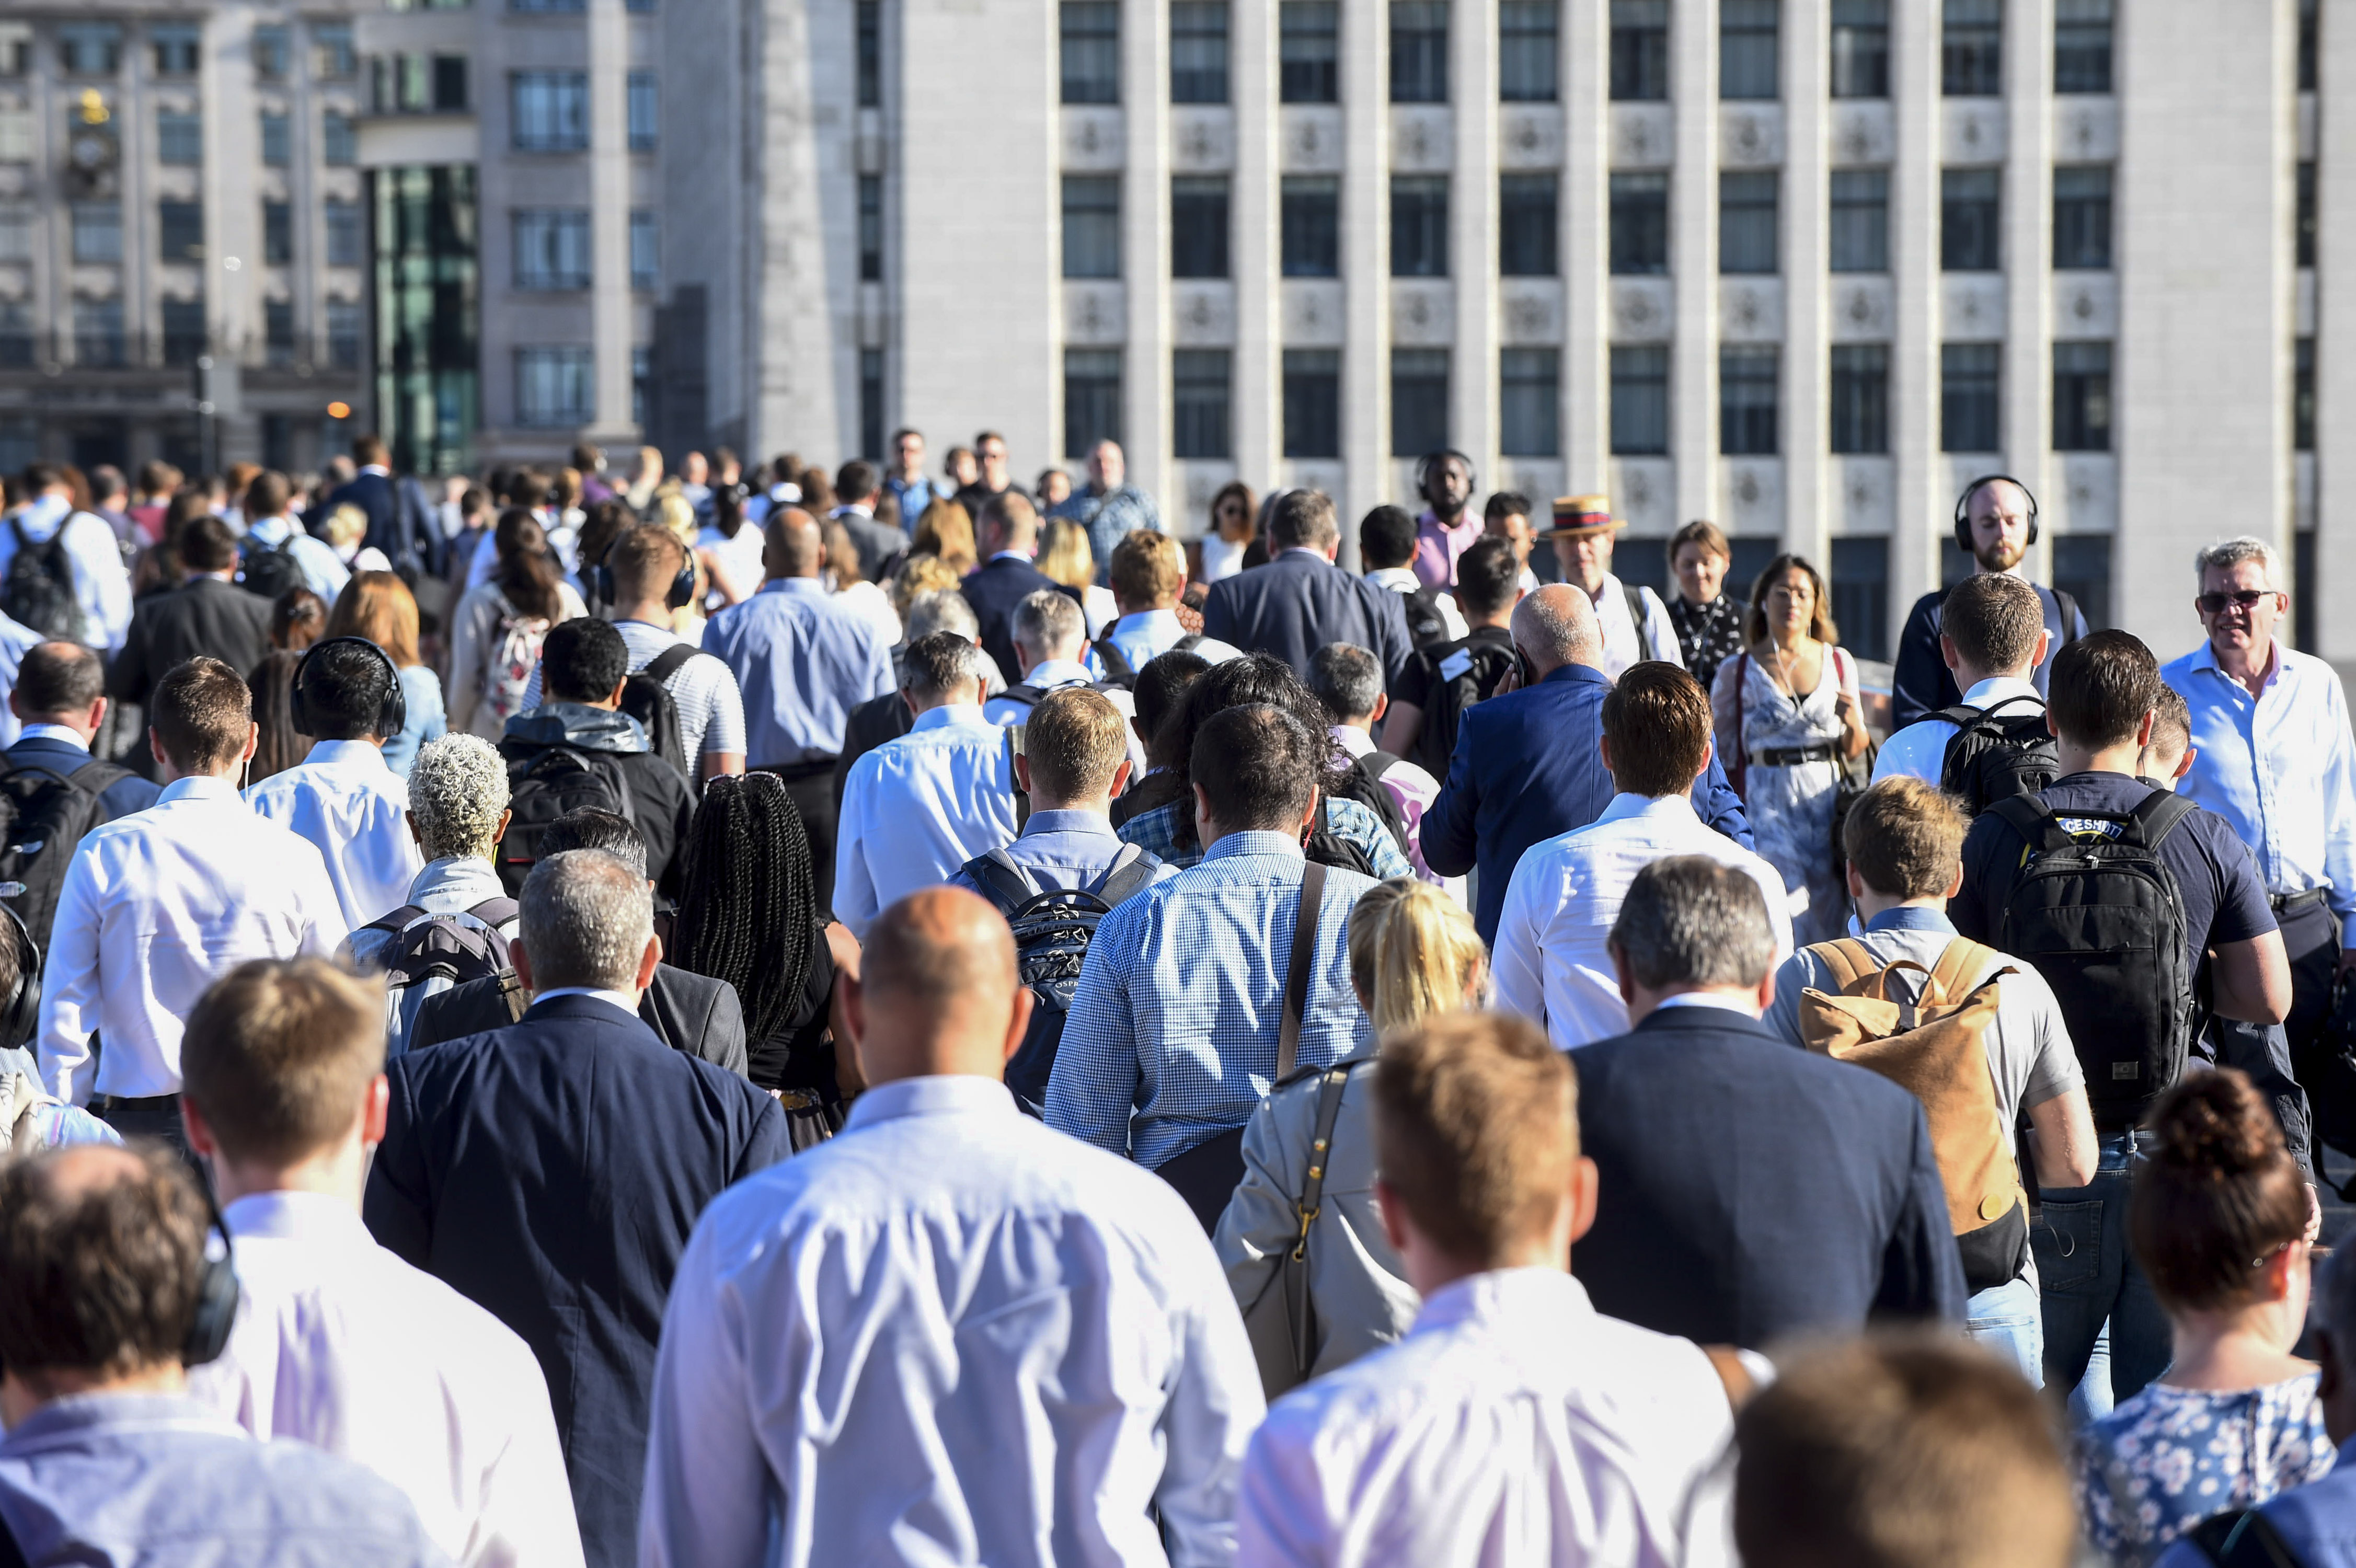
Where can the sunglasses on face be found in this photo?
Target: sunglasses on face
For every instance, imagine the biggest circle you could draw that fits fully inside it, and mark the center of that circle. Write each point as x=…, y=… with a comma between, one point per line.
x=2246, y=599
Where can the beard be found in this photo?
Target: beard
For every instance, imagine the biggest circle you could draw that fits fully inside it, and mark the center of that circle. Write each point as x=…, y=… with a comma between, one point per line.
x=2002, y=556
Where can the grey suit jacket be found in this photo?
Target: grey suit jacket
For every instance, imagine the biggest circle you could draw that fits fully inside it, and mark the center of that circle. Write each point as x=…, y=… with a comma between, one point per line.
x=688, y=1012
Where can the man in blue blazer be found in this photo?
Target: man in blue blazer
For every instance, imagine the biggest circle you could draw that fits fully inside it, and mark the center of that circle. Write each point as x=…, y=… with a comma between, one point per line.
x=1527, y=765
x=552, y=1171
x=1301, y=601
x=1009, y=531
x=1750, y=1191
x=59, y=697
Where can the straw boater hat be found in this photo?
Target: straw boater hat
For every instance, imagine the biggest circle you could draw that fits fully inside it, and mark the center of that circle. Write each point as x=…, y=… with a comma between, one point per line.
x=1576, y=514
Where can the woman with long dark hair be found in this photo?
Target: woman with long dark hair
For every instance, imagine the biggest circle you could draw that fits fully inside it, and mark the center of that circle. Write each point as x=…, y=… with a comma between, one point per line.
x=501, y=624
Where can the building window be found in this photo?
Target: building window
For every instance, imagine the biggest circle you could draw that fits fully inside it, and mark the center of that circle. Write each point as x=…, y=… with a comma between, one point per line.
x=179, y=136
x=339, y=142
x=96, y=232
x=1419, y=400
x=1860, y=397
x=344, y=334
x=1199, y=396
x=2082, y=397
x=1747, y=231
x=1529, y=51
x=1312, y=402
x=2305, y=242
x=645, y=250
x=332, y=58
x=645, y=111
x=343, y=232
x=2082, y=217
x=871, y=53
x=2302, y=396
x=550, y=111
x=1860, y=48
x=98, y=332
x=1091, y=398
x=1971, y=52
x=1313, y=226
x=179, y=47
x=1747, y=400
x=870, y=228
x=1091, y=51
x=15, y=136
x=1527, y=228
x=552, y=248
x=1640, y=49
x=184, y=331
x=278, y=331
x=1639, y=400
x=15, y=234
x=1967, y=397
x=1308, y=51
x=2306, y=46
x=1530, y=403
x=277, y=233
x=1749, y=61
x=1092, y=226
x=1861, y=588
x=1969, y=205
x=1198, y=51
x=555, y=385
x=1640, y=223
x=2082, y=568
x=91, y=48
x=871, y=403
x=2082, y=46
x=1198, y=227
x=180, y=230
x=450, y=84
x=1419, y=51
x=550, y=5
x=1860, y=216
x=17, y=354
x=16, y=48
x=278, y=140
x=1419, y=225
x=273, y=52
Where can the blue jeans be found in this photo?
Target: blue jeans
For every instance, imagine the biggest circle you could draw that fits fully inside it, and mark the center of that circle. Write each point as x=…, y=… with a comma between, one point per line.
x=2090, y=1278
x=2008, y=1321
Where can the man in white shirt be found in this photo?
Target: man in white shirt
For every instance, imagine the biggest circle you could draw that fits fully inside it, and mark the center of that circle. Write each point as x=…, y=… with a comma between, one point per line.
x=88, y=564
x=268, y=527
x=342, y=797
x=1051, y=636
x=1388, y=546
x=917, y=807
x=338, y=1343
x=949, y=1334
x=1635, y=623
x=1348, y=680
x=157, y=904
x=1552, y=954
x=1148, y=572
x=1515, y=1421
x=1992, y=636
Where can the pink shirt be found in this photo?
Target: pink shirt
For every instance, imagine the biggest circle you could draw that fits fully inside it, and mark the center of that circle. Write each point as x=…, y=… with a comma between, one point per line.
x=1437, y=546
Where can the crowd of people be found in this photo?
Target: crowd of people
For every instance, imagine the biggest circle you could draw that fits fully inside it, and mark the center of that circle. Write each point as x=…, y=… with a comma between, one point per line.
x=738, y=1015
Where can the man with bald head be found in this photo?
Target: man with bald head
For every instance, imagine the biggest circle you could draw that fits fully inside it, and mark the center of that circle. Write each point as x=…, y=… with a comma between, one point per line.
x=949, y=1333
x=1527, y=765
x=803, y=663
x=1997, y=515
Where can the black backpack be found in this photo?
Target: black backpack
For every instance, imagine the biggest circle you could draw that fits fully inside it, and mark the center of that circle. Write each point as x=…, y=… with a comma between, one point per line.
x=2243, y=1538
x=270, y=570
x=2101, y=917
x=1465, y=672
x=1326, y=847
x=1364, y=784
x=1426, y=623
x=1053, y=928
x=647, y=699
x=1994, y=754
x=43, y=815
x=543, y=787
x=431, y=953
x=40, y=591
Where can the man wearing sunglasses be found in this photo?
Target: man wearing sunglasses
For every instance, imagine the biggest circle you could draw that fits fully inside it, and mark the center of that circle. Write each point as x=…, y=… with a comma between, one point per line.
x=2273, y=756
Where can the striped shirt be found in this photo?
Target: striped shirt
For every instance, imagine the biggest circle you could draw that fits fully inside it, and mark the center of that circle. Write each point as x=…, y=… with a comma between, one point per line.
x=703, y=689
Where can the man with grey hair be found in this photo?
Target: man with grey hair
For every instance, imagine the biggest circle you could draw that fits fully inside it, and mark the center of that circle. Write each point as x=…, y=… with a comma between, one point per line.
x=885, y=718
x=1751, y=1190
x=1300, y=601
x=1051, y=639
x=2273, y=756
x=550, y=1170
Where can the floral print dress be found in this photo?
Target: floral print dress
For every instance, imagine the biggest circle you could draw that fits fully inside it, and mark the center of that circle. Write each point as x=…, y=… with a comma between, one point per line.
x=2169, y=1457
x=1791, y=804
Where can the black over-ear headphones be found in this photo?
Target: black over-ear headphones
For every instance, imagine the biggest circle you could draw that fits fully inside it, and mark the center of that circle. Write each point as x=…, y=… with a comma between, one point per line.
x=1963, y=503
x=1424, y=464
x=20, y=1015
x=391, y=714
x=217, y=1293
x=678, y=596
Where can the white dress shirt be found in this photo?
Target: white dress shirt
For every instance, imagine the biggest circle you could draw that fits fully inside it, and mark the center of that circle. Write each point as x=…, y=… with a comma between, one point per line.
x=156, y=907
x=1144, y=636
x=917, y=807
x=1621, y=645
x=1552, y=959
x=1514, y=1425
x=2279, y=766
x=948, y=1335
x=1919, y=751
x=343, y=799
x=340, y=1344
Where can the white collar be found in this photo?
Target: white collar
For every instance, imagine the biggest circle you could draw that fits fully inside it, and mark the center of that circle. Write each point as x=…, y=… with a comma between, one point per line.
x=1998, y=689
x=1705, y=999
x=56, y=732
x=1625, y=806
x=296, y=1216
x=622, y=999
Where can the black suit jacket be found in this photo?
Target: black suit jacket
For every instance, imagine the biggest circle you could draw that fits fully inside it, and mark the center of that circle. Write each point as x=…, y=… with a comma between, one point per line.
x=1751, y=1190
x=1298, y=603
x=994, y=592
x=552, y=1171
x=372, y=493
x=873, y=723
x=689, y=1012
x=207, y=617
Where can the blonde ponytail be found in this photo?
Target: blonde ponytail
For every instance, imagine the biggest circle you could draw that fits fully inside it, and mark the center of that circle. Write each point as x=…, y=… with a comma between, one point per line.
x=1414, y=953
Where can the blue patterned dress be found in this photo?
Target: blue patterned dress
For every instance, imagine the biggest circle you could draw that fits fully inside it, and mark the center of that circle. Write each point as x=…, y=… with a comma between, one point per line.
x=2169, y=1457
x=1791, y=808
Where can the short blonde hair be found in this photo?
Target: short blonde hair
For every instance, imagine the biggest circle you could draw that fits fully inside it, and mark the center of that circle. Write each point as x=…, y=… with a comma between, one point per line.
x=920, y=575
x=1147, y=569
x=1413, y=953
x=1905, y=837
x=279, y=1054
x=1063, y=553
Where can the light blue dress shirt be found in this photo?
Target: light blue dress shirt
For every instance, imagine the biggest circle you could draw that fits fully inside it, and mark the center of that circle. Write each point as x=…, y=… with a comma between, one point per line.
x=919, y=806
x=1144, y=636
x=1173, y=1035
x=16, y=642
x=323, y=573
x=803, y=663
x=1065, y=849
x=421, y=696
x=2280, y=766
x=346, y=801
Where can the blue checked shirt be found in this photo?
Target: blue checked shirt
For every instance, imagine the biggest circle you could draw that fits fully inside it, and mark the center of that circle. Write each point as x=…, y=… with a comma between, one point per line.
x=1159, y=832
x=1172, y=1036
x=802, y=663
x=1109, y=517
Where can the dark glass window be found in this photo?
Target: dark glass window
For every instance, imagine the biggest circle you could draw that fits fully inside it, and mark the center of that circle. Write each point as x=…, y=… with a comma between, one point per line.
x=555, y=387
x=1312, y=402
x=1640, y=223
x=644, y=119
x=97, y=331
x=1640, y=49
x=2306, y=231
x=1092, y=226
x=1091, y=398
x=343, y=225
x=1419, y=400
x=1639, y=400
x=1311, y=223
x=871, y=228
x=1747, y=400
x=1746, y=221
x=2302, y=396
x=91, y=48
x=184, y=331
x=1971, y=54
x=1308, y=51
x=179, y=137
x=1198, y=226
x=180, y=229
x=1091, y=51
x=1861, y=588
x=179, y=47
x=2082, y=217
x=1749, y=60
x=1860, y=420
x=1420, y=227
x=339, y=140
x=646, y=249
x=272, y=52
x=278, y=330
x=277, y=233
x=450, y=84
x=1860, y=216
x=2082, y=46
x=1199, y=397
x=1529, y=51
x=1860, y=48
x=1530, y=403
x=97, y=231
x=1527, y=227
x=548, y=111
x=1198, y=51
x=1968, y=207
x=2306, y=46
x=278, y=140
x=1419, y=51
x=871, y=53
x=1968, y=382
x=2082, y=568
x=2082, y=397
x=871, y=404
x=552, y=248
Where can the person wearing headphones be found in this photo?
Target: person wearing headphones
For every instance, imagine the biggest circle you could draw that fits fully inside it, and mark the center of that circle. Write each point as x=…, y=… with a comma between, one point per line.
x=1996, y=522
x=342, y=797
x=1449, y=526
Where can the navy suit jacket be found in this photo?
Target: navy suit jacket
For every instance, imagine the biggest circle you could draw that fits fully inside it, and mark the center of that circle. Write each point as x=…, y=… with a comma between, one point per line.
x=994, y=592
x=372, y=493
x=552, y=1171
x=121, y=798
x=1921, y=683
x=1298, y=603
x=1527, y=768
x=1750, y=1189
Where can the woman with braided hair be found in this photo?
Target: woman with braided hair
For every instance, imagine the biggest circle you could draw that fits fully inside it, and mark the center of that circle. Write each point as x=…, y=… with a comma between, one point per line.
x=752, y=916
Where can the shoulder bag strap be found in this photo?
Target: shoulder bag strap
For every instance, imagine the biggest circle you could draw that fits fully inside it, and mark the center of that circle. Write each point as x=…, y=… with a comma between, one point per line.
x=1015, y=780
x=2067, y=609
x=1131, y=871
x=512, y=995
x=1116, y=663
x=667, y=663
x=1739, y=774
x=2158, y=813
x=1963, y=959
x=1303, y=1321
x=2031, y=818
x=496, y=913
x=1009, y=885
x=1296, y=974
x=2256, y=1544
x=1636, y=597
x=1848, y=959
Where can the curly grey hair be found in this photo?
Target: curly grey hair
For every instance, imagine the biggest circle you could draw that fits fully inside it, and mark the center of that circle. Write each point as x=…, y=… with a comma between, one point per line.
x=457, y=789
x=2226, y=554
